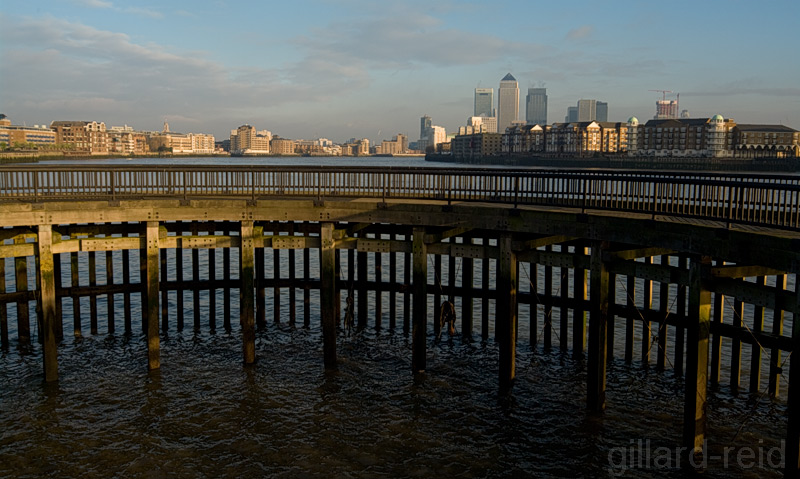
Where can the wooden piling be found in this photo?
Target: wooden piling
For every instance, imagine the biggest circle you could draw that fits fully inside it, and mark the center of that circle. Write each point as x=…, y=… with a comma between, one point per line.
x=506, y=320
x=698, y=326
x=663, y=329
x=196, y=284
x=247, y=291
x=610, y=324
x=378, y=290
x=547, y=331
x=419, y=332
x=164, y=292
x=793, y=400
x=152, y=293
x=755, y=356
x=126, y=296
x=407, y=293
x=292, y=284
x=76, y=301
x=392, y=290
x=110, y=317
x=143, y=285
x=276, y=294
x=631, y=317
x=361, y=260
x=226, y=290
x=59, y=281
x=306, y=288
x=23, y=312
x=533, y=277
x=579, y=314
x=485, y=291
x=212, y=293
x=327, y=256
x=437, y=294
x=181, y=290
x=4, y=343
x=92, y=296
x=47, y=298
x=261, y=290
x=598, y=318
x=736, y=348
x=716, y=340
x=680, y=329
x=563, y=320
x=467, y=285
x=775, y=353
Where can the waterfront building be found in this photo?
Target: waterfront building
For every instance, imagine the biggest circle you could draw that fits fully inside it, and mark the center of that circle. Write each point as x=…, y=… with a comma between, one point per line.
x=536, y=106
x=282, y=146
x=484, y=102
x=507, y=102
x=37, y=136
x=684, y=137
x=83, y=137
x=245, y=140
x=765, y=141
x=476, y=145
x=525, y=139
x=395, y=146
x=123, y=140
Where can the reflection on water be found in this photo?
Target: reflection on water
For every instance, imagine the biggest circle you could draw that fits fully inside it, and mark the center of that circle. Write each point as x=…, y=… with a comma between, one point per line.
x=204, y=415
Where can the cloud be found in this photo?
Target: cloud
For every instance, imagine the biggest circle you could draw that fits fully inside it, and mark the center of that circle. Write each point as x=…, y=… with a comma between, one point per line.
x=580, y=33
x=94, y=3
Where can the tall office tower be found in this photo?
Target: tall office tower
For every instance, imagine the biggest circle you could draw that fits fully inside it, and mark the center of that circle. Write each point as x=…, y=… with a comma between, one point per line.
x=602, y=111
x=536, y=106
x=424, y=123
x=484, y=102
x=572, y=114
x=587, y=110
x=507, y=103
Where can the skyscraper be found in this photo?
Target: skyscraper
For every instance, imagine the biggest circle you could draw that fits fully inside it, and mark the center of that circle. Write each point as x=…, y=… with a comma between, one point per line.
x=536, y=106
x=507, y=102
x=602, y=111
x=587, y=110
x=424, y=123
x=484, y=102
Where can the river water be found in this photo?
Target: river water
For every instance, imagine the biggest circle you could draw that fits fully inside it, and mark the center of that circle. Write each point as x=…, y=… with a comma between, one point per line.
x=204, y=415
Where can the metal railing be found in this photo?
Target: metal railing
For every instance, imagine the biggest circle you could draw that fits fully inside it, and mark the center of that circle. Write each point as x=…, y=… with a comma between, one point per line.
x=763, y=200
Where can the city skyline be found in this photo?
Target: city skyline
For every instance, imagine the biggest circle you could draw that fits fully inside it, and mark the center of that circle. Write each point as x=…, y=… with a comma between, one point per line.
x=359, y=69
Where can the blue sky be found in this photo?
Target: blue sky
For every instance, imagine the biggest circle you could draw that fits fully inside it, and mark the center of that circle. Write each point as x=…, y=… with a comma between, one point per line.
x=371, y=69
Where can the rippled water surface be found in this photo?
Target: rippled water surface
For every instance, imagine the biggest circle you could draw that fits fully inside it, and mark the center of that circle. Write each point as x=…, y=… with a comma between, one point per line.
x=205, y=415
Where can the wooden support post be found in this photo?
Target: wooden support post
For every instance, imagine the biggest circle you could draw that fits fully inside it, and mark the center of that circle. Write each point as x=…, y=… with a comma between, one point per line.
x=59, y=287
x=164, y=292
x=361, y=261
x=109, y=297
x=506, y=320
x=143, y=285
x=579, y=290
x=179, y=274
x=647, y=327
x=407, y=293
x=392, y=291
x=212, y=293
x=736, y=348
x=23, y=312
x=306, y=289
x=92, y=296
x=755, y=357
x=793, y=401
x=610, y=331
x=76, y=300
x=548, y=305
x=485, y=292
x=563, y=323
x=276, y=294
x=378, y=290
x=663, y=329
x=247, y=291
x=226, y=290
x=196, y=285
x=4, y=342
x=261, y=291
x=716, y=341
x=698, y=327
x=327, y=257
x=680, y=330
x=152, y=291
x=775, y=354
x=292, y=286
x=533, y=274
x=126, y=296
x=47, y=297
x=467, y=278
x=419, y=333
x=437, y=293
x=598, y=318
x=630, y=318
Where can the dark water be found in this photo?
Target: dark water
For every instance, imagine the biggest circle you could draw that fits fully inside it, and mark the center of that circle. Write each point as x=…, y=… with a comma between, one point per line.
x=205, y=415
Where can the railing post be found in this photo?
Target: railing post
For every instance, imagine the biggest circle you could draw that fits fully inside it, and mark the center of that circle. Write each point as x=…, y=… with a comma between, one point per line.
x=113, y=185
x=516, y=191
x=184, y=185
x=36, y=185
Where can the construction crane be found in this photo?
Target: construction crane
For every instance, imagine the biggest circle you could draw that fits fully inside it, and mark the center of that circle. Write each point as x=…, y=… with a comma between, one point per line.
x=664, y=93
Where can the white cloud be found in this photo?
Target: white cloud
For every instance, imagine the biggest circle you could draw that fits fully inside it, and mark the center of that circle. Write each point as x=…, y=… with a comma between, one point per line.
x=580, y=33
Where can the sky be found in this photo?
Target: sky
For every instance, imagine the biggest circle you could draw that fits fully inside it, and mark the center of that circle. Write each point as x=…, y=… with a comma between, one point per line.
x=370, y=69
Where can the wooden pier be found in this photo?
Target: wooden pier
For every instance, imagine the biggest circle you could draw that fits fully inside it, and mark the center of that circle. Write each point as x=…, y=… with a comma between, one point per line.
x=684, y=268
